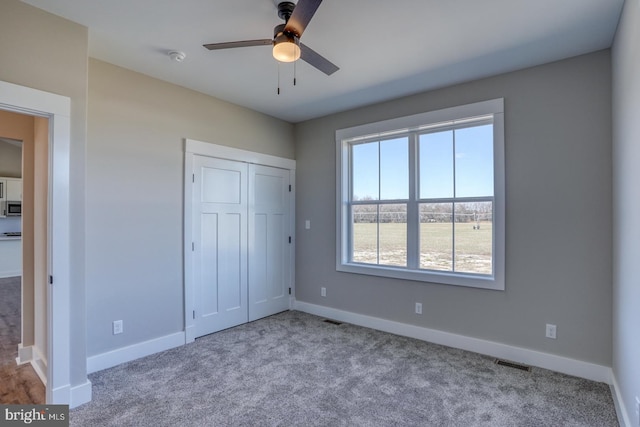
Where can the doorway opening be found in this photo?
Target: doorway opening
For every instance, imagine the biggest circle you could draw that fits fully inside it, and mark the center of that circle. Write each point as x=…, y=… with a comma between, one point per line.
x=24, y=145
x=53, y=111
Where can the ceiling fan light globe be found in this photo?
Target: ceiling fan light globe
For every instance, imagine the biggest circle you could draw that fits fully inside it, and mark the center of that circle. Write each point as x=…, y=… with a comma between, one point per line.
x=286, y=51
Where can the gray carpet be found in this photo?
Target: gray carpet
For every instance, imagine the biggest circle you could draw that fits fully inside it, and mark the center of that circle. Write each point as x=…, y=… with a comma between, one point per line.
x=293, y=369
x=9, y=319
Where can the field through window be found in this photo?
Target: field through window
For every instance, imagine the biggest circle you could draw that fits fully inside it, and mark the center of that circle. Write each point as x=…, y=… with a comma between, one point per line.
x=447, y=242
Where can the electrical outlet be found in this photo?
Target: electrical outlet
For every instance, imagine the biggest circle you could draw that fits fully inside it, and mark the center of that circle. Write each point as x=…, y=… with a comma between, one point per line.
x=117, y=327
x=418, y=308
x=323, y=292
x=551, y=331
x=307, y=224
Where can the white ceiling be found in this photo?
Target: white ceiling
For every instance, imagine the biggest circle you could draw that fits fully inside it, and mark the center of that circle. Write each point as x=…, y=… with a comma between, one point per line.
x=385, y=49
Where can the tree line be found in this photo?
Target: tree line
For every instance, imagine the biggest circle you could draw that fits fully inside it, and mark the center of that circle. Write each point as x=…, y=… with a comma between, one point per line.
x=429, y=212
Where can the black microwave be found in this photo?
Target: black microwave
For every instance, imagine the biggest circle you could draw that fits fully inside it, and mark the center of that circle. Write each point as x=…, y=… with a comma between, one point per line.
x=12, y=208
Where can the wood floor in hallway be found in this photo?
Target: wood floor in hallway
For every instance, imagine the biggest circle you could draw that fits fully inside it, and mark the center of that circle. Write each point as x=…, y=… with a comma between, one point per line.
x=19, y=384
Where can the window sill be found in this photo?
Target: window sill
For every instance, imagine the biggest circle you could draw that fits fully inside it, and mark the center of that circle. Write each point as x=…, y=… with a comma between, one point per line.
x=456, y=279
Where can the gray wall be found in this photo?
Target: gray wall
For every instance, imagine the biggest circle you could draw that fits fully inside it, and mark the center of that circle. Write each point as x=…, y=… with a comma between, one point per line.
x=10, y=160
x=45, y=52
x=626, y=205
x=135, y=166
x=558, y=229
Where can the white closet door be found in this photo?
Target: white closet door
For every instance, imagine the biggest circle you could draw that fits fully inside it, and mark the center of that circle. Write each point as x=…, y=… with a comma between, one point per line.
x=220, y=244
x=269, y=246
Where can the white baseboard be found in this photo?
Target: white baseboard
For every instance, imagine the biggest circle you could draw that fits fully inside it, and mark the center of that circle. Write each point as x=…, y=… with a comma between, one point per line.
x=39, y=363
x=80, y=394
x=25, y=354
x=190, y=334
x=552, y=362
x=135, y=351
x=70, y=395
x=624, y=418
x=59, y=396
x=41, y=368
x=64, y=395
x=31, y=354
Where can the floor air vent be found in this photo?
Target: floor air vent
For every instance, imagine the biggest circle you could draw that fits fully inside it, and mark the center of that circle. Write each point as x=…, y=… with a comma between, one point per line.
x=333, y=322
x=513, y=365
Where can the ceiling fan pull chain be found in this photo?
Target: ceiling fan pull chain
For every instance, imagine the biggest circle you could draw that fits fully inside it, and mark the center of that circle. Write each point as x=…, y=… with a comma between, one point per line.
x=294, y=72
x=278, y=77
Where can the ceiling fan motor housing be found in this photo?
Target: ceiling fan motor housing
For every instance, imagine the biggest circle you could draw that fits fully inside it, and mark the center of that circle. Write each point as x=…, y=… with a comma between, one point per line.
x=279, y=35
x=285, y=9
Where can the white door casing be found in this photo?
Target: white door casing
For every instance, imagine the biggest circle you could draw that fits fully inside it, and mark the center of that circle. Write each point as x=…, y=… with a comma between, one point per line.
x=58, y=109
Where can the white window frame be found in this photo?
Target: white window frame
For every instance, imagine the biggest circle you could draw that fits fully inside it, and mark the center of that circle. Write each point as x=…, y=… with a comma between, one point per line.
x=418, y=122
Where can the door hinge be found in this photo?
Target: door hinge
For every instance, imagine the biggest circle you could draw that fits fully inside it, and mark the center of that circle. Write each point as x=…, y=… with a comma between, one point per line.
x=193, y=246
x=194, y=314
x=193, y=178
x=289, y=291
x=289, y=239
x=289, y=188
x=51, y=280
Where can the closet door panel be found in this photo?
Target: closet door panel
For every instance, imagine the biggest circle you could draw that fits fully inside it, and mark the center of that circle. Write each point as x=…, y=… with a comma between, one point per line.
x=269, y=246
x=220, y=244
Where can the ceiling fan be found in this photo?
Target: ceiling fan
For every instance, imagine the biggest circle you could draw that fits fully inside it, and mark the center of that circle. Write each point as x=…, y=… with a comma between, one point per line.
x=286, y=37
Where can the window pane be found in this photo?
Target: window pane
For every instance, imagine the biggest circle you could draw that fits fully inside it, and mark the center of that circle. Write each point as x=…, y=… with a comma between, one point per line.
x=365, y=171
x=394, y=169
x=436, y=165
x=474, y=161
x=393, y=235
x=474, y=237
x=365, y=233
x=436, y=236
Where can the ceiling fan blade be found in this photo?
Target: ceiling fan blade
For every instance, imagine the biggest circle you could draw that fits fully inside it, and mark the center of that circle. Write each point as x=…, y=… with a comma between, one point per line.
x=313, y=58
x=244, y=43
x=302, y=14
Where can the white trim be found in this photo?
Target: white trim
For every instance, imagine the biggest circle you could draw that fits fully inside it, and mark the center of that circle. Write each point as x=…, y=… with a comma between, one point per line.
x=28, y=100
x=552, y=362
x=230, y=153
x=624, y=417
x=39, y=364
x=187, y=232
x=189, y=334
x=80, y=394
x=409, y=122
x=61, y=394
x=292, y=252
x=58, y=254
x=25, y=354
x=32, y=355
x=40, y=367
x=134, y=351
x=58, y=109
